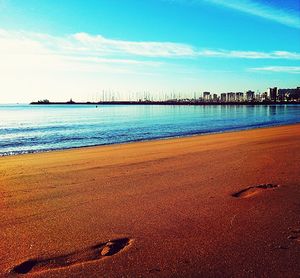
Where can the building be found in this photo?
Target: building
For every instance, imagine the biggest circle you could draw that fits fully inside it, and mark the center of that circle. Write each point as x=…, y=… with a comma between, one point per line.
x=223, y=97
x=250, y=95
x=258, y=97
x=239, y=96
x=282, y=95
x=294, y=94
x=273, y=94
x=230, y=97
x=289, y=94
x=215, y=98
x=264, y=96
x=206, y=96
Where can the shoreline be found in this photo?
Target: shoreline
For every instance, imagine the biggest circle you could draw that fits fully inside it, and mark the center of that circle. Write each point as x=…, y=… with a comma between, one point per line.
x=152, y=139
x=221, y=205
x=179, y=102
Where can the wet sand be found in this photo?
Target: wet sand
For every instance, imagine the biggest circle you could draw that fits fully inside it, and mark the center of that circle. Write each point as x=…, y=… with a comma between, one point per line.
x=223, y=205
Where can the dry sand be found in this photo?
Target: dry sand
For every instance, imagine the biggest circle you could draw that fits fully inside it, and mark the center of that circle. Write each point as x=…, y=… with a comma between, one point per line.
x=223, y=205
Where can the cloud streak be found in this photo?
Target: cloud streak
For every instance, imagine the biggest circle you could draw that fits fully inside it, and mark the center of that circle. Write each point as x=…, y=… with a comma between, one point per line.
x=170, y=50
x=279, y=69
x=148, y=49
x=98, y=49
x=288, y=17
x=250, y=54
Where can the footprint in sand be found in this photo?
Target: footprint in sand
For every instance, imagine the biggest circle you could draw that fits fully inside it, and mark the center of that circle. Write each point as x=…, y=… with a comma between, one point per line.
x=252, y=190
x=295, y=235
x=93, y=253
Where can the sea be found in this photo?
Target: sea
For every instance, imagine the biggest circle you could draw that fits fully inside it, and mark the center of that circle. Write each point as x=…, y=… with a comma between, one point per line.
x=40, y=128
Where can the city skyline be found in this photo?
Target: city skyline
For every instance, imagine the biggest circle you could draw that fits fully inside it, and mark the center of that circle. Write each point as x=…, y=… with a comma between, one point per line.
x=58, y=49
x=272, y=95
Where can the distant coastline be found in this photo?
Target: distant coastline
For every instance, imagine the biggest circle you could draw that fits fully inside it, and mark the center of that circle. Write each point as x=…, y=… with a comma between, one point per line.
x=275, y=96
x=168, y=102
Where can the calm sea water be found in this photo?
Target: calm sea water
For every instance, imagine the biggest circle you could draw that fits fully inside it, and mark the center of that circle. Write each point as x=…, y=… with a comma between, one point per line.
x=25, y=128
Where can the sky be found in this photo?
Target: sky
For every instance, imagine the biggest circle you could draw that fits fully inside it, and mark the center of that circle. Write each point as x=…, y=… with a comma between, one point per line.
x=62, y=49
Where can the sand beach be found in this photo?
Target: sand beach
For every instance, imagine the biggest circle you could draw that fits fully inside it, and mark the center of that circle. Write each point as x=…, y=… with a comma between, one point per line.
x=221, y=205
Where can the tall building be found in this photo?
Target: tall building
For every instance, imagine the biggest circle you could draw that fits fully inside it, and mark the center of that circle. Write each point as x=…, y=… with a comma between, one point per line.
x=215, y=98
x=239, y=96
x=250, y=95
x=230, y=97
x=223, y=97
x=273, y=94
x=206, y=96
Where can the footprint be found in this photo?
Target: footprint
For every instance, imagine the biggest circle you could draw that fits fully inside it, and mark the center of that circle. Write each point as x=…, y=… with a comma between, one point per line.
x=93, y=253
x=295, y=235
x=252, y=190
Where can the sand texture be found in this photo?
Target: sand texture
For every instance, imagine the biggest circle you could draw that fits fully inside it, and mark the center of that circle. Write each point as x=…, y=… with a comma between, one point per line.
x=223, y=205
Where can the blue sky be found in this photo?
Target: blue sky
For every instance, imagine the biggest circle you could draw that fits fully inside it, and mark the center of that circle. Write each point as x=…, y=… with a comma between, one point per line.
x=59, y=49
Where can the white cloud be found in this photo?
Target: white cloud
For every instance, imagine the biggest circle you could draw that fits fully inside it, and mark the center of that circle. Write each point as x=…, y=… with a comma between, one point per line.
x=281, y=69
x=83, y=47
x=21, y=51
